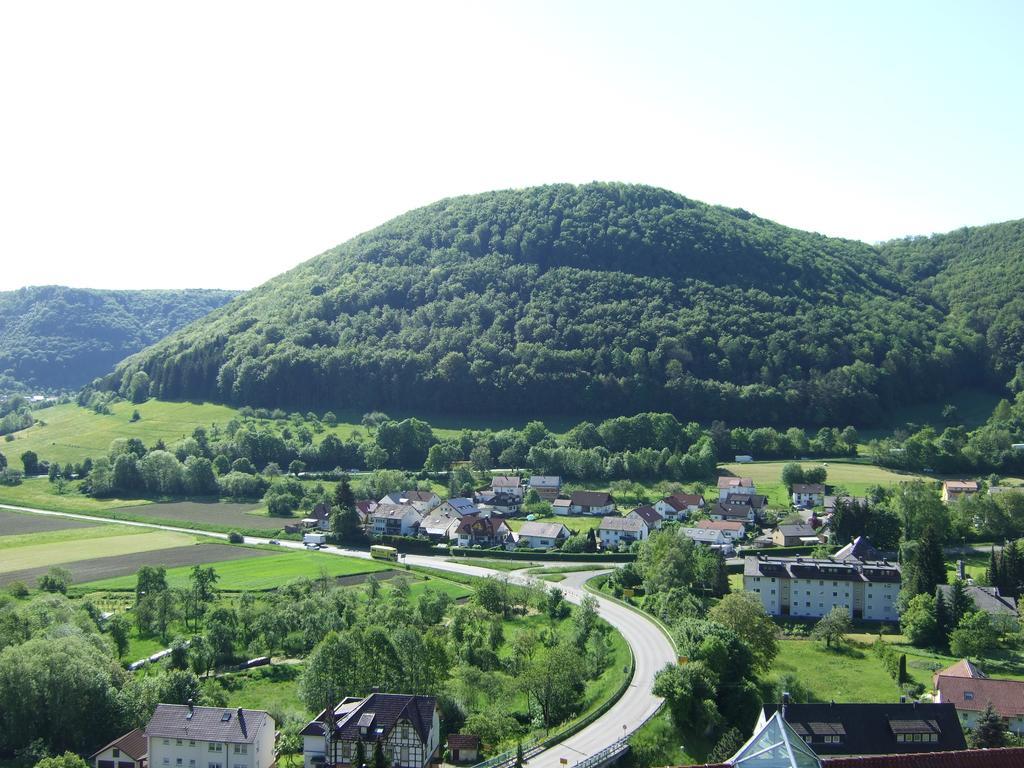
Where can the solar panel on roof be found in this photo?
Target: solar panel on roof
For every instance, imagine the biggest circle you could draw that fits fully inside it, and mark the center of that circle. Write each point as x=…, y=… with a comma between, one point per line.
x=225, y=717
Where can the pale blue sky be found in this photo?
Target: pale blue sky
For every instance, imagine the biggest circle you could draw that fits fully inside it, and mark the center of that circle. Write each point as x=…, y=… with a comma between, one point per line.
x=218, y=144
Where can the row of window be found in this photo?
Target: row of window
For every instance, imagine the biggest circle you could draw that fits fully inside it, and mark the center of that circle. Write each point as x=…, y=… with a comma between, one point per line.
x=831, y=739
x=904, y=737
x=213, y=746
x=192, y=764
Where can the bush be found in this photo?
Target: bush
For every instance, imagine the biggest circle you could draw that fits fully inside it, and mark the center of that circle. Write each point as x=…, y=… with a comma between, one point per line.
x=235, y=537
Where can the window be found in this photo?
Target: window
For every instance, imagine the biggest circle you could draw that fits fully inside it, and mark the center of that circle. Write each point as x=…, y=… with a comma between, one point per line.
x=808, y=604
x=178, y=761
x=835, y=594
x=178, y=742
x=191, y=742
x=117, y=753
x=213, y=765
x=215, y=747
x=346, y=750
x=241, y=749
x=166, y=742
x=405, y=755
x=773, y=591
x=968, y=695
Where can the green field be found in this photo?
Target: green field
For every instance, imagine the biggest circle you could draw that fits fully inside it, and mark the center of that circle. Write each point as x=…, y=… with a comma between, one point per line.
x=274, y=689
x=36, y=555
x=262, y=572
x=852, y=674
x=40, y=493
x=497, y=565
x=578, y=523
x=856, y=478
x=66, y=536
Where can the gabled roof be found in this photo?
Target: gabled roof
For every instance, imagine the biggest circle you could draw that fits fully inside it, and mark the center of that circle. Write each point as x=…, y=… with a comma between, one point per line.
x=235, y=726
x=808, y=488
x=721, y=525
x=506, y=481
x=463, y=741
x=985, y=599
x=649, y=515
x=962, y=668
x=960, y=486
x=591, y=499
x=796, y=529
x=974, y=694
x=440, y=522
x=489, y=526
x=858, y=549
x=871, y=729
x=681, y=501
x=134, y=744
x=462, y=505
x=379, y=713
x=394, y=511
x=725, y=483
x=543, y=530
x=559, y=503
x=418, y=495
x=629, y=524
x=545, y=481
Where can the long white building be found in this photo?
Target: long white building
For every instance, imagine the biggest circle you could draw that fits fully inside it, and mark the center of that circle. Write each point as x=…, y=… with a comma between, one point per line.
x=856, y=578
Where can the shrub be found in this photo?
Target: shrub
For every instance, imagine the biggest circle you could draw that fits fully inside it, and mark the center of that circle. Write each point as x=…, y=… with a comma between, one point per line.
x=235, y=537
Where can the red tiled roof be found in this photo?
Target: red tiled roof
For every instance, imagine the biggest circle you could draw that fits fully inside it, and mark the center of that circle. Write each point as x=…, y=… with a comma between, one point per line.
x=463, y=741
x=133, y=744
x=974, y=694
x=680, y=501
x=1009, y=757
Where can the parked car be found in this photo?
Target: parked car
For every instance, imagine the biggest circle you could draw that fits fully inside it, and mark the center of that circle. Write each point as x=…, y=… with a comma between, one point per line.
x=274, y=541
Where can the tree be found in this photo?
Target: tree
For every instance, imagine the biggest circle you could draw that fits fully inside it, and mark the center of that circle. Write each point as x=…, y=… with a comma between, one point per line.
x=973, y=637
x=119, y=629
x=990, y=731
x=960, y=603
x=55, y=580
x=792, y=474
x=138, y=387
x=30, y=461
x=297, y=467
x=555, y=680
x=67, y=760
x=832, y=627
x=918, y=621
x=334, y=666
x=727, y=745
x=149, y=580
x=379, y=760
x=743, y=613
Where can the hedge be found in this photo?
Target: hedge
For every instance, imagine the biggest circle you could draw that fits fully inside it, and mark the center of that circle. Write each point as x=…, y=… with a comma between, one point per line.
x=409, y=544
x=568, y=557
x=782, y=551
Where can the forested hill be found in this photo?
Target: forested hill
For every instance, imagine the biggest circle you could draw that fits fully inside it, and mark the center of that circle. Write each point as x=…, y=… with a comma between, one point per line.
x=595, y=299
x=53, y=337
x=977, y=275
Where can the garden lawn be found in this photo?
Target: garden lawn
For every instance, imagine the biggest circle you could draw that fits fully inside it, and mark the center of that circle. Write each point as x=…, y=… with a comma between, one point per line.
x=852, y=674
x=497, y=565
x=274, y=689
x=33, y=556
x=261, y=573
x=975, y=563
x=577, y=523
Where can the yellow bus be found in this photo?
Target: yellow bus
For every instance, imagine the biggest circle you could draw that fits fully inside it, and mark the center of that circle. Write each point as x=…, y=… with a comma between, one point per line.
x=380, y=552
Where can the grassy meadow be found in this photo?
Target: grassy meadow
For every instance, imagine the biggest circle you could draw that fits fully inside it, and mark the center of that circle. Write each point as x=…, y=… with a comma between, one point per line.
x=36, y=555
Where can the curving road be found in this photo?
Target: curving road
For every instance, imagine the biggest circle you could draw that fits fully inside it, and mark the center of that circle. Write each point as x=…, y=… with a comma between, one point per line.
x=651, y=649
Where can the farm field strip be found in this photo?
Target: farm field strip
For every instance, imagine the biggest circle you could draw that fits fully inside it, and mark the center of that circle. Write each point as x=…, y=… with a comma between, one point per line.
x=222, y=513
x=85, y=571
x=20, y=558
x=64, y=536
x=25, y=523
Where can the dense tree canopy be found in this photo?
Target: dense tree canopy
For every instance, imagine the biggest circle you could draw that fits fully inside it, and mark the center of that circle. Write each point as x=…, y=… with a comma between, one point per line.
x=53, y=338
x=603, y=298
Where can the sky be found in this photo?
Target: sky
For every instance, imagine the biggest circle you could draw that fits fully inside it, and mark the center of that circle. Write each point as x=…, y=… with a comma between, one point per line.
x=199, y=144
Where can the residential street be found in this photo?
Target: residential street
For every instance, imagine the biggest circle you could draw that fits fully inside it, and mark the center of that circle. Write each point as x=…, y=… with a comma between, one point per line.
x=651, y=649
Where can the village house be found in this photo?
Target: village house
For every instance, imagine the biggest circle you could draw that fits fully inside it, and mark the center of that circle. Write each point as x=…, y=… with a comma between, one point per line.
x=128, y=751
x=650, y=516
x=952, y=490
x=463, y=748
x=457, y=507
x=503, y=503
x=186, y=736
x=422, y=501
x=591, y=503
x=970, y=690
x=746, y=509
x=364, y=508
x=482, y=531
x=1001, y=608
x=561, y=506
x=829, y=502
x=808, y=494
x=510, y=485
x=808, y=587
x=321, y=516
x=439, y=526
x=395, y=520
x=735, y=486
x=679, y=506
x=793, y=535
x=541, y=535
x=614, y=531
x=407, y=727
x=715, y=532
x=546, y=486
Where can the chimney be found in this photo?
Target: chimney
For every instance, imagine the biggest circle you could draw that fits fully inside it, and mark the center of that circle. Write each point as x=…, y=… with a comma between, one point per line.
x=903, y=699
x=375, y=689
x=191, y=711
x=785, y=698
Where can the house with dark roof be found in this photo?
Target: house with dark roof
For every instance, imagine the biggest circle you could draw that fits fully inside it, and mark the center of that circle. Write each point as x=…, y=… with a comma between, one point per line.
x=987, y=599
x=482, y=531
x=186, y=736
x=591, y=503
x=364, y=508
x=808, y=494
x=650, y=516
x=407, y=728
x=679, y=506
x=872, y=729
x=458, y=506
x=745, y=508
x=793, y=535
x=501, y=502
x=970, y=690
x=128, y=751
x=808, y=587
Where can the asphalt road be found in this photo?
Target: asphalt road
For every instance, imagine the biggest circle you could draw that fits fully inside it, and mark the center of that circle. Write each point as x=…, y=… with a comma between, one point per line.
x=651, y=649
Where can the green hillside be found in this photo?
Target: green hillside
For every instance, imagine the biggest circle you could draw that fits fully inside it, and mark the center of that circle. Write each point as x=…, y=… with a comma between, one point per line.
x=58, y=338
x=597, y=299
